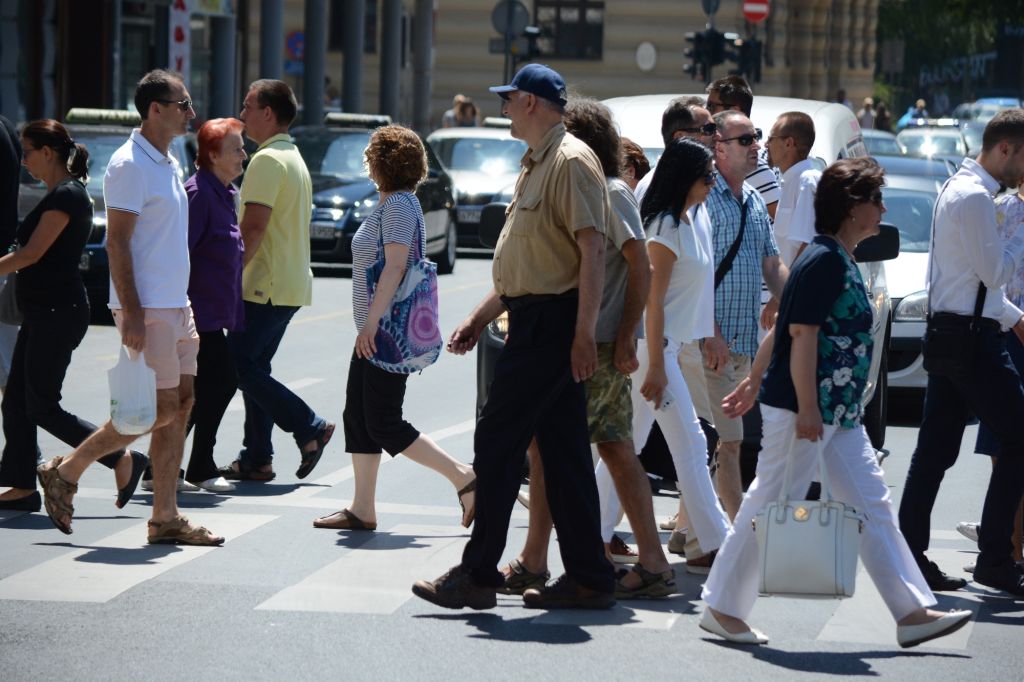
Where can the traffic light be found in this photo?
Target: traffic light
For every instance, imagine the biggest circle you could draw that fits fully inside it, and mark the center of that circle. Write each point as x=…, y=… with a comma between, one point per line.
x=746, y=54
x=697, y=53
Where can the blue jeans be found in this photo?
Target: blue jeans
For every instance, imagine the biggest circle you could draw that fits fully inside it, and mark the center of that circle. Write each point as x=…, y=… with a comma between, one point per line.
x=267, y=401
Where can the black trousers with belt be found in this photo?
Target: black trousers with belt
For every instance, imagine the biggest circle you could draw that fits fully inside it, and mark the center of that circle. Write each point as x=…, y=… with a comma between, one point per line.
x=993, y=392
x=533, y=393
x=215, y=385
x=42, y=353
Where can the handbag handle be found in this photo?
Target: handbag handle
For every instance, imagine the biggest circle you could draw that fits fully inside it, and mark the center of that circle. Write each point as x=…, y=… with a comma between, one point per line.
x=819, y=446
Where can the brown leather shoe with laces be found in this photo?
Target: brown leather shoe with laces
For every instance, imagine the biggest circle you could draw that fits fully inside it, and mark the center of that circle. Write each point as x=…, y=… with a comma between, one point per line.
x=456, y=590
x=566, y=593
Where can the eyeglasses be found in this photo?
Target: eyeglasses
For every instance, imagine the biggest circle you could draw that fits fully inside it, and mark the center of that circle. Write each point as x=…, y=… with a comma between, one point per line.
x=711, y=177
x=706, y=129
x=714, y=107
x=184, y=104
x=745, y=140
x=875, y=198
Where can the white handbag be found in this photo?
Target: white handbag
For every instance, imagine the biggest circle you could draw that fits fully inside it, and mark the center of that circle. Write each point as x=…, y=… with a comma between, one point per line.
x=808, y=548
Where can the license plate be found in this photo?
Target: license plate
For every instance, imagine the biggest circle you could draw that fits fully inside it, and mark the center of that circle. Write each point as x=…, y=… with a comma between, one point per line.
x=321, y=231
x=469, y=215
x=83, y=262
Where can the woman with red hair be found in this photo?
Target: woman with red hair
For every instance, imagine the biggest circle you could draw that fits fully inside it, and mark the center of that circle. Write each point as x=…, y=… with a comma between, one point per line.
x=214, y=287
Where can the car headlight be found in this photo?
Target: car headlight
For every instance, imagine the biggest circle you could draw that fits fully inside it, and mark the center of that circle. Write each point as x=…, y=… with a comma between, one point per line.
x=364, y=208
x=913, y=308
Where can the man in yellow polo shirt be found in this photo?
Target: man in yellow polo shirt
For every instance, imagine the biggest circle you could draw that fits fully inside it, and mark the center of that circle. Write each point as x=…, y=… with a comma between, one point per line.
x=277, y=199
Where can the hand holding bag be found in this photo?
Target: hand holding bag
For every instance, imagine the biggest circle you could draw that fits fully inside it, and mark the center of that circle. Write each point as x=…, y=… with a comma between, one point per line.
x=409, y=334
x=808, y=548
x=132, y=394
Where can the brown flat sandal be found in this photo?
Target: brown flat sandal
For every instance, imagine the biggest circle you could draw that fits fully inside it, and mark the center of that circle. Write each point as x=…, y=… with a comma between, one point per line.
x=343, y=520
x=468, y=516
x=57, y=494
x=180, y=531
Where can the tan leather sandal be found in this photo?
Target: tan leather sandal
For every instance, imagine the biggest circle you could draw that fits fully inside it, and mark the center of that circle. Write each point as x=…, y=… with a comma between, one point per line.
x=180, y=531
x=57, y=494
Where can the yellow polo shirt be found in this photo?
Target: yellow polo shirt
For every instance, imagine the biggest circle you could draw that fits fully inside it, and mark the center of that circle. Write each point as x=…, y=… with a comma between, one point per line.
x=277, y=177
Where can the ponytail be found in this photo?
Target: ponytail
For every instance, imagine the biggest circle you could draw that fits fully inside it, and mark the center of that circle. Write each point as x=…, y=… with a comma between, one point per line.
x=50, y=133
x=78, y=161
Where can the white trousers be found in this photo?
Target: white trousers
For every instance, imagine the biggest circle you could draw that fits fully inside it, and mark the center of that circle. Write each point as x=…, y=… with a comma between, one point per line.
x=689, y=451
x=856, y=479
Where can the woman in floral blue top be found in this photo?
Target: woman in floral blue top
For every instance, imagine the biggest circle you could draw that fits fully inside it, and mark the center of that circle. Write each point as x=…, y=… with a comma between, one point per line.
x=813, y=391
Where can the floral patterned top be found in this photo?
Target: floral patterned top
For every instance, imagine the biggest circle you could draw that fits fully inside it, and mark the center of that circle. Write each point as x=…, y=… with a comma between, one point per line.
x=1009, y=216
x=825, y=289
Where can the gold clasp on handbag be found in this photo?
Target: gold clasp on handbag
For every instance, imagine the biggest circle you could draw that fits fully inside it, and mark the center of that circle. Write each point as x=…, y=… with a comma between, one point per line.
x=801, y=514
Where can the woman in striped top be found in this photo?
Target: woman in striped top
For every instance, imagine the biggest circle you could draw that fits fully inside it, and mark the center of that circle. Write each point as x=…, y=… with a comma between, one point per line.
x=373, y=418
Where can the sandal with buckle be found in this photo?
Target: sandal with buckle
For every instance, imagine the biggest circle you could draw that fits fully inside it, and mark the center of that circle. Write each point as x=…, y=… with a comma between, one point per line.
x=179, y=531
x=239, y=471
x=468, y=516
x=652, y=585
x=343, y=520
x=57, y=494
x=519, y=579
x=310, y=458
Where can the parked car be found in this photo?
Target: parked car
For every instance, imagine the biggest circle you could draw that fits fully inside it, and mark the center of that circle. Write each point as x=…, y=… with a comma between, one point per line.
x=881, y=142
x=344, y=195
x=102, y=131
x=482, y=162
x=838, y=136
x=933, y=141
x=911, y=188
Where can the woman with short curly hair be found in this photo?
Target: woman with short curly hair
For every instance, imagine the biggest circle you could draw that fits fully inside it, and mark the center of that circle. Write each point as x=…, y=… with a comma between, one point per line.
x=397, y=163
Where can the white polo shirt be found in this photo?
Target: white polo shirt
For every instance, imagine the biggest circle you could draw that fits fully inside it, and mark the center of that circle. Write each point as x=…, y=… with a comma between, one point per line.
x=141, y=180
x=794, y=216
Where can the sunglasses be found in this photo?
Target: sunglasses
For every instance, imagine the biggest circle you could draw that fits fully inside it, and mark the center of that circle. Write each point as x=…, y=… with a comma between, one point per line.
x=706, y=129
x=184, y=104
x=745, y=140
x=710, y=178
x=875, y=198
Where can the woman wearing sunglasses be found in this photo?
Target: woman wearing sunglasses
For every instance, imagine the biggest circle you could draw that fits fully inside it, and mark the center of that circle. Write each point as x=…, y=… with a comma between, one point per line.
x=820, y=357
x=55, y=308
x=679, y=310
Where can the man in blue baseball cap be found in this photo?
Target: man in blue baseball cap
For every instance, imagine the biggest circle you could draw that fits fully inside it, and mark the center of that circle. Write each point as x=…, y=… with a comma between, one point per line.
x=548, y=274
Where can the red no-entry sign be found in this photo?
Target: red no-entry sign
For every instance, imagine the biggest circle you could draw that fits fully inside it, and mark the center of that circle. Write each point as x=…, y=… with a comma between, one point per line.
x=755, y=10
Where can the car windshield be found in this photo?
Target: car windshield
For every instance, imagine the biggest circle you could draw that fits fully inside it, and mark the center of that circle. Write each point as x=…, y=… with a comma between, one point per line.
x=926, y=144
x=882, y=145
x=911, y=212
x=331, y=153
x=492, y=156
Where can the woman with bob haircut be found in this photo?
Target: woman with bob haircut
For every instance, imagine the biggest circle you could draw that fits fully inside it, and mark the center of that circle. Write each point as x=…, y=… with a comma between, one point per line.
x=680, y=309
x=214, y=288
x=397, y=163
x=818, y=358
x=55, y=308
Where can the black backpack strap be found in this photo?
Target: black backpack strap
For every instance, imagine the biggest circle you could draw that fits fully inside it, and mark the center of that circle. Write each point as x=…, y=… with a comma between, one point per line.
x=723, y=268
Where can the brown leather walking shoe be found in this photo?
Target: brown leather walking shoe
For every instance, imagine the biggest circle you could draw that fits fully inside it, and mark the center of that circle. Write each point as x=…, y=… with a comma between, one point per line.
x=456, y=590
x=566, y=593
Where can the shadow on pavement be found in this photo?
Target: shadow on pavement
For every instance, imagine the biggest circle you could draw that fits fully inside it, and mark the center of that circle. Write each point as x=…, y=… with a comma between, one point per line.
x=493, y=626
x=824, y=663
x=122, y=556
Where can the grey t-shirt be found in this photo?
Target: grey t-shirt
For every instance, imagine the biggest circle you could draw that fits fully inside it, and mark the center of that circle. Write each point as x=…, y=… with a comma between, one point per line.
x=623, y=224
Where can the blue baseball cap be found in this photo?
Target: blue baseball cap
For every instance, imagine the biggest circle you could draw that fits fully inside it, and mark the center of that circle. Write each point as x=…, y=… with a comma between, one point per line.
x=539, y=80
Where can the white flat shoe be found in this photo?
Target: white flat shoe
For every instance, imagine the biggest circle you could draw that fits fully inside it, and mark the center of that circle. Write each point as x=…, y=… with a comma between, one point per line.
x=709, y=623
x=183, y=486
x=218, y=484
x=524, y=499
x=912, y=635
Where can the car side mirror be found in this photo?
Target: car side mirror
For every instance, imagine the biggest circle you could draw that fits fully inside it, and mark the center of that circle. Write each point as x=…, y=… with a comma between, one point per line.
x=492, y=220
x=883, y=246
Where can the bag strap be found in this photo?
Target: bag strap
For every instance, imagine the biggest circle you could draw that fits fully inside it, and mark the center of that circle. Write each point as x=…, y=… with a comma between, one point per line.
x=723, y=268
x=819, y=447
x=419, y=235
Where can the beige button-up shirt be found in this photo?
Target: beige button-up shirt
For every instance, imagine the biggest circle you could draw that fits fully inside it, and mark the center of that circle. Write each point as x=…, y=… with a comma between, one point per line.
x=560, y=190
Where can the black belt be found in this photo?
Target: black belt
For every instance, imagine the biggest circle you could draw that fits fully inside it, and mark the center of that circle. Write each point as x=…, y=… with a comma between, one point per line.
x=953, y=320
x=513, y=303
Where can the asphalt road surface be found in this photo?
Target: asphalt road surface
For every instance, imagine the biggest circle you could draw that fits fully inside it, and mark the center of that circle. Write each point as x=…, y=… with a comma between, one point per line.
x=283, y=600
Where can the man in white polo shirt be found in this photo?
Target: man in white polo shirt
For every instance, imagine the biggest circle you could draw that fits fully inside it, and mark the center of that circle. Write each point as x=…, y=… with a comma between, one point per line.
x=147, y=243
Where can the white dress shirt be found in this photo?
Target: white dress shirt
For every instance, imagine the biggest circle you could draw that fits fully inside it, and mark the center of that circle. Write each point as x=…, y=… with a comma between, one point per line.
x=794, y=216
x=968, y=249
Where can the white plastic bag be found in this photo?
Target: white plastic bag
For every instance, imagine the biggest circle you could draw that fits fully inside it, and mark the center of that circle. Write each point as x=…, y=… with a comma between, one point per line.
x=132, y=394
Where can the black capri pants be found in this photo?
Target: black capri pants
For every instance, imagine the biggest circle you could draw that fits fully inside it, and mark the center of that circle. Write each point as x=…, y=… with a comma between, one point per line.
x=373, y=410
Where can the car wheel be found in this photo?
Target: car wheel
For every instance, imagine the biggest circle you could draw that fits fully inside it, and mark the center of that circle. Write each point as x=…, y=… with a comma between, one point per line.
x=446, y=260
x=876, y=414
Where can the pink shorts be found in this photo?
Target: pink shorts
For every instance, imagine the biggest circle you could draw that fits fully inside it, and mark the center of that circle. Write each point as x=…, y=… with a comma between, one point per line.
x=172, y=343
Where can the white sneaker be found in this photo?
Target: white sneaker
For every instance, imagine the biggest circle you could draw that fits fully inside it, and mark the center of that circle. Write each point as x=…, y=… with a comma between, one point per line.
x=669, y=524
x=218, y=484
x=147, y=485
x=969, y=530
x=183, y=486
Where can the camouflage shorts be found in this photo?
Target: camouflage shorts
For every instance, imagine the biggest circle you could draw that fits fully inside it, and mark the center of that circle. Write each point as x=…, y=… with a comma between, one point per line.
x=609, y=407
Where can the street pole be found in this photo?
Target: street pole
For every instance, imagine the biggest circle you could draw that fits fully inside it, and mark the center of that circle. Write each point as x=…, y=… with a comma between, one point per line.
x=352, y=70
x=271, y=37
x=390, y=57
x=223, y=90
x=314, y=54
x=423, y=62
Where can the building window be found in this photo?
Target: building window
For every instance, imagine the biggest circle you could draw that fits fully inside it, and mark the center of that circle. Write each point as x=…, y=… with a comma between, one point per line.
x=336, y=27
x=570, y=29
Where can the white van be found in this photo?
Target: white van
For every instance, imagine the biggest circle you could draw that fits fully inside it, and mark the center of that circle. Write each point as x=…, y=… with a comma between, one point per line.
x=837, y=136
